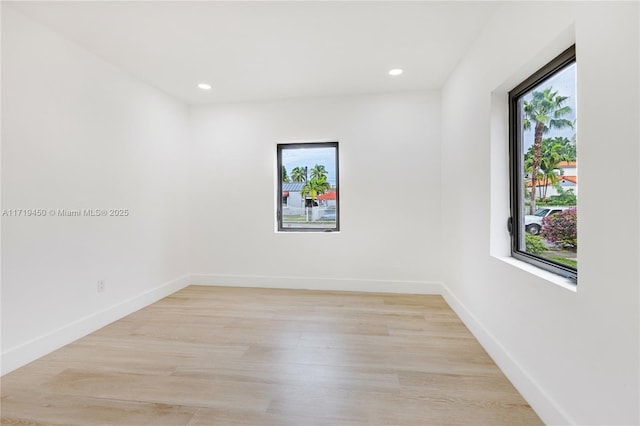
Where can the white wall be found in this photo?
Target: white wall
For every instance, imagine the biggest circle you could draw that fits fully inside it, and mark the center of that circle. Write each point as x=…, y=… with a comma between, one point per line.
x=574, y=355
x=78, y=133
x=389, y=158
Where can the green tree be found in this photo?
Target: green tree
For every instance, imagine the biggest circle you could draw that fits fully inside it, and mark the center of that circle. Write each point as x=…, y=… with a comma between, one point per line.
x=552, y=152
x=564, y=198
x=544, y=111
x=285, y=176
x=299, y=174
x=318, y=171
x=315, y=187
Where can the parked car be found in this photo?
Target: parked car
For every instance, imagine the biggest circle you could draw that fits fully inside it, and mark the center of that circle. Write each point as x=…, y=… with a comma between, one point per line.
x=533, y=222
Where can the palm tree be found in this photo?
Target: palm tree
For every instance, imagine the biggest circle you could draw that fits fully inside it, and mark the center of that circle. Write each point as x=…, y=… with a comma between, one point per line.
x=545, y=110
x=318, y=171
x=315, y=187
x=299, y=174
x=552, y=152
x=285, y=177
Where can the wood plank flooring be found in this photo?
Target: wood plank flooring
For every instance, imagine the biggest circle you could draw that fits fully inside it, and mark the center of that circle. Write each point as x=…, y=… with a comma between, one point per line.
x=243, y=356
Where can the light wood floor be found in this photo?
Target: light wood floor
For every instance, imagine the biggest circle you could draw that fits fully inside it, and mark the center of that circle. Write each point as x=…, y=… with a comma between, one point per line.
x=217, y=356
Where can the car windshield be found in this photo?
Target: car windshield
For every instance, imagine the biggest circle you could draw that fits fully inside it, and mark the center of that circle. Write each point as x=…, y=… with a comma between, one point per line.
x=541, y=212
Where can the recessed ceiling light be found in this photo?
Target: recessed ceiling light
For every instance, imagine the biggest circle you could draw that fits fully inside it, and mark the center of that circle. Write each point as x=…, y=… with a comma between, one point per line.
x=396, y=71
x=204, y=86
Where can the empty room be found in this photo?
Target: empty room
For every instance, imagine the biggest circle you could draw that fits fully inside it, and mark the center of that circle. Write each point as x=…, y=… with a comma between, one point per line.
x=320, y=213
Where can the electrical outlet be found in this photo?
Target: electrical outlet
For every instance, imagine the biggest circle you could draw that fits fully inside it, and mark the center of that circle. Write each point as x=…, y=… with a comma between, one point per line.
x=102, y=286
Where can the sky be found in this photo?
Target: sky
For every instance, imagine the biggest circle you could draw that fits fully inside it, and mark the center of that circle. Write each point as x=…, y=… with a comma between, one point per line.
x=565, y=83
x=309, y=157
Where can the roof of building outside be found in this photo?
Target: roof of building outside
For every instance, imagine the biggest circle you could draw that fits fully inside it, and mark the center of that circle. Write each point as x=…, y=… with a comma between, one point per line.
x=328, y=196
x=292, y=186
x=567, y=164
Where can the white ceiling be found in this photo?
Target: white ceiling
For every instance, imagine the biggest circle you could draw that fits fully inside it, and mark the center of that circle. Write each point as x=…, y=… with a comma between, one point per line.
x=268, y=50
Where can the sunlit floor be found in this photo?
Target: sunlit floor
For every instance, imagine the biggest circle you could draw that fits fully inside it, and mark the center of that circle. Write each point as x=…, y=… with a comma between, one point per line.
x=216, y=355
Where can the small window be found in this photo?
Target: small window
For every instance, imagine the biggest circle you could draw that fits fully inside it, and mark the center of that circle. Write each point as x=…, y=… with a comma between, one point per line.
x=308, y=188
x=544, y=167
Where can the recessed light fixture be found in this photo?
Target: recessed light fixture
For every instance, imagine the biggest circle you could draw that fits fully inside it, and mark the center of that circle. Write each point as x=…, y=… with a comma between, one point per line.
x=204, y=86
x=396, y=71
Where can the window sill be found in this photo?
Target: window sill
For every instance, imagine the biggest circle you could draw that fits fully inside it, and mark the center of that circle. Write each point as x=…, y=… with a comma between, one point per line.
x=550, y=277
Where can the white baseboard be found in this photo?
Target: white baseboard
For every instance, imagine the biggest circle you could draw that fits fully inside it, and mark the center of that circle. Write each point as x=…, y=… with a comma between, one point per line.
x=306, y=283
x=531, y=391
x=25, y=353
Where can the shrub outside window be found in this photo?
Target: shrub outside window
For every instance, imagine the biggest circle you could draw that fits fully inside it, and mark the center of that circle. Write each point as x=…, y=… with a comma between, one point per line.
x=544, y=167
x=308, y=187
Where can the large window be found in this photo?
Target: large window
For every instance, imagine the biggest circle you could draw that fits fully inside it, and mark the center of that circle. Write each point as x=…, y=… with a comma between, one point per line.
x=308, y=188
x=544, y=167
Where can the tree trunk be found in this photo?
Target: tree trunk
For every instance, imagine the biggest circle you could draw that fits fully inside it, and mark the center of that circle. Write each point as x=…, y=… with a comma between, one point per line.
x=537, y=154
